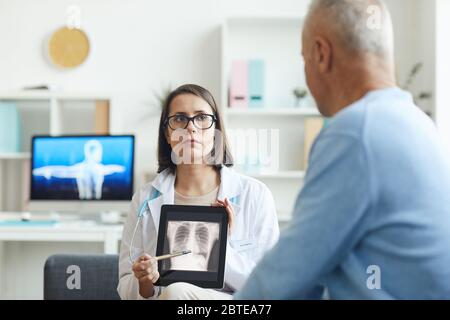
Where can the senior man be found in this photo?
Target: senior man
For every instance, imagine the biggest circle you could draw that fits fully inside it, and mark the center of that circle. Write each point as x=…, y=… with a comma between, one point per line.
x=373, y=218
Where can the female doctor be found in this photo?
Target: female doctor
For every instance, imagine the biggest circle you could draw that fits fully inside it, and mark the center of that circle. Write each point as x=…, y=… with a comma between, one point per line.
x=194, y=169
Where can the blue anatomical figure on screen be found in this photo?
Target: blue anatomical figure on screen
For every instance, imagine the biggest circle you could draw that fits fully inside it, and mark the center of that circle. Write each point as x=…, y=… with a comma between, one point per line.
x=89, y=174
x=82, y=168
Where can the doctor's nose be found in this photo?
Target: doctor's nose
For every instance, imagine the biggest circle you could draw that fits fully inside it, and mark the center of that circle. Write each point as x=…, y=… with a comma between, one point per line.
x=191, y=127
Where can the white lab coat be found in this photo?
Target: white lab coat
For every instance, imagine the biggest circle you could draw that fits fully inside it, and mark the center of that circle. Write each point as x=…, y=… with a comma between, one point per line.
x=255, y=227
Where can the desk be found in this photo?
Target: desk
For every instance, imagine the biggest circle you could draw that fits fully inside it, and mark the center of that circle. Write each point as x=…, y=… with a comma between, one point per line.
x=108, y=235
x=24, y=249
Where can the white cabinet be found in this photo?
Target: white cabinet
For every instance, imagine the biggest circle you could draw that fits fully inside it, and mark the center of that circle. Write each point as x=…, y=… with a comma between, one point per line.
x=277, y=41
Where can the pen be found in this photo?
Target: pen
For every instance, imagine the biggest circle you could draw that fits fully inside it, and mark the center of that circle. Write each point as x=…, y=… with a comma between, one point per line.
x=171, y=255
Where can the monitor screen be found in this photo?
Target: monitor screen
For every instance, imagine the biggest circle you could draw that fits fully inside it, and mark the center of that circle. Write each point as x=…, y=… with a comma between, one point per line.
x=82, y=168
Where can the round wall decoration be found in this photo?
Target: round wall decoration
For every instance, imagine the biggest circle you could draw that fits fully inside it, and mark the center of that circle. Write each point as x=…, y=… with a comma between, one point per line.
x=68, y=47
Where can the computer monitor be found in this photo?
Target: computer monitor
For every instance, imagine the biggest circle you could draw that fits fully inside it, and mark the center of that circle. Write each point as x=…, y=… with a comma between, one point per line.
x=88, y=168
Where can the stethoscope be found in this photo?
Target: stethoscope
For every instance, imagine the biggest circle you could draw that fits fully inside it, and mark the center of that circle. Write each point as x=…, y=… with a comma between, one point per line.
x=142, y=210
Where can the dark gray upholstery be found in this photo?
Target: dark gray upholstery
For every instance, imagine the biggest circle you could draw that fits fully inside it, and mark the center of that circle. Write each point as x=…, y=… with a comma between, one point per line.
x=98, y=277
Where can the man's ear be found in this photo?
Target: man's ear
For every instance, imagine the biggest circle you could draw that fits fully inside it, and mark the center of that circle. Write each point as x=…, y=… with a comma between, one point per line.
x=322, y=54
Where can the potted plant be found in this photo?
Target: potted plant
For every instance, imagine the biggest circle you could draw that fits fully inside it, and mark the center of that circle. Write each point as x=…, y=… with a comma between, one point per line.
x=422, y=95
x=300, y=94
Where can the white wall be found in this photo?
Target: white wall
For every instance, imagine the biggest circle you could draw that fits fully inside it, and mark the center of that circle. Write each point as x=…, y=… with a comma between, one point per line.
x=137, y=47
x=443, y=70
x=427, y=35
x=414, y=42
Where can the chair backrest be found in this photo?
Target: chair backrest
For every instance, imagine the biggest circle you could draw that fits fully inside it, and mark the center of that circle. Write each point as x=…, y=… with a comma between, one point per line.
x=81, y=277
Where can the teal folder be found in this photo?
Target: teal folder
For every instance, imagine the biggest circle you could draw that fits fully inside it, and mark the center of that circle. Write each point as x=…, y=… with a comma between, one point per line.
x=9, y=127
x=256, y=83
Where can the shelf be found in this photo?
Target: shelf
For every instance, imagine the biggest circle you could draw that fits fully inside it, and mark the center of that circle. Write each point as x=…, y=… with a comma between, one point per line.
x=284, y=216
x=47, y=95
x=58, y=113
x=294, y=174
x=15, y=156
x=273, y=112
x=264, y=18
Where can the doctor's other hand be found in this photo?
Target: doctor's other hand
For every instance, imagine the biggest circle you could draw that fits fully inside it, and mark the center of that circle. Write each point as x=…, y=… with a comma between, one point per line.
x=230, y=212
x=145, y=269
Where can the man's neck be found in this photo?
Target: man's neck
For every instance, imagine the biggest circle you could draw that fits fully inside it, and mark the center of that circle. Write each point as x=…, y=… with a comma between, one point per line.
x=366, y=76
x=196, y=180
x=355, y=94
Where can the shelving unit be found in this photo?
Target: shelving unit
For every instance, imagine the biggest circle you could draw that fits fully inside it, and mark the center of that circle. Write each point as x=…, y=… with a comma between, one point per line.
x=279, y=175
x=15, y=156
x=303, y=112
x=47, y=113
x=261, y=37
x=56, y=113
x=46, y=95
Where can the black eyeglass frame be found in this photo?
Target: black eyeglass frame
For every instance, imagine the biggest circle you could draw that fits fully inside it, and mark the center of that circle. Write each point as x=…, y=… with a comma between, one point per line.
x=214, y=120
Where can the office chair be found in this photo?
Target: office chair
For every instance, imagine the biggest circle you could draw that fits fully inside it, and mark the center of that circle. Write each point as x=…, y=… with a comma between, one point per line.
x=81, y=277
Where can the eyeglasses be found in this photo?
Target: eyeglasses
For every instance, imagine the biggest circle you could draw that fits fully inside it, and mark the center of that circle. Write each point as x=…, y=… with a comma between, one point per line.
x=200, y=121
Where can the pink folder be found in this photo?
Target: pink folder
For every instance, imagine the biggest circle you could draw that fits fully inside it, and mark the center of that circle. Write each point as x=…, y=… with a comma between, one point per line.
x=239, y=84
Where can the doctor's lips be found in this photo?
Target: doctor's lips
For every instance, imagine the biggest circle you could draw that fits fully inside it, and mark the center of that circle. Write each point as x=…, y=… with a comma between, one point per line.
x=191, y=141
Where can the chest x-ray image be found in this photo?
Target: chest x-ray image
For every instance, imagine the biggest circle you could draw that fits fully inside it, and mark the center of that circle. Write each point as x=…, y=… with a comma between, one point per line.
x=89, y=173
x=202, y=238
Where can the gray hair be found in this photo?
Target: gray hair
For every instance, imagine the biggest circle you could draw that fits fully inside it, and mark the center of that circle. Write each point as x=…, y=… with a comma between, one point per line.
x=361, y=25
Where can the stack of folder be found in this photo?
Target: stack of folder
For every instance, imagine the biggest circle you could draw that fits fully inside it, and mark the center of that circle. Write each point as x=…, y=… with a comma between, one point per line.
x=247, y=84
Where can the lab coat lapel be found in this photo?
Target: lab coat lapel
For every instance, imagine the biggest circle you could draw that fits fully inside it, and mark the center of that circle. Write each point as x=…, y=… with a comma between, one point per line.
x=231, y=188
x=164, y=186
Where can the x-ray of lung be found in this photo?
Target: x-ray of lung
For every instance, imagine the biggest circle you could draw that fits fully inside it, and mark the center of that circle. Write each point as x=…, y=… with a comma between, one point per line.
x=202, y=238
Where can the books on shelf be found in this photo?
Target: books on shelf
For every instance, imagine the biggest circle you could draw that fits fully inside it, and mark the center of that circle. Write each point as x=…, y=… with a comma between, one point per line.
x=239, y=84
x=247, y=84
x=313, y=126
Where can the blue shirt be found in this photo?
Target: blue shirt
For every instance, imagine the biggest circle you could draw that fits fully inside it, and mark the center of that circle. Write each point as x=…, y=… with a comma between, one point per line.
x=373, y=218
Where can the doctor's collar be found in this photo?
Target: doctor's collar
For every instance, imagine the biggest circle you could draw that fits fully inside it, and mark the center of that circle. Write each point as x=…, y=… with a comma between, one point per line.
x=230, y=183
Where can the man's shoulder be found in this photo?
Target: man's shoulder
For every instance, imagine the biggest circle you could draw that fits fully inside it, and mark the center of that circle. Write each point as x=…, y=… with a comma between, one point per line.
x=373, y=114
x=350, y=121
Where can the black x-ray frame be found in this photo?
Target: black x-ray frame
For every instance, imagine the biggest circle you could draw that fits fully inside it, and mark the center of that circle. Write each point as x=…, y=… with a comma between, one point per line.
x=202, y=279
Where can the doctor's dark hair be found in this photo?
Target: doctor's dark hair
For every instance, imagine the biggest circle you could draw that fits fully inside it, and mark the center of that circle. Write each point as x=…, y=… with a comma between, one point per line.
x=221, y=157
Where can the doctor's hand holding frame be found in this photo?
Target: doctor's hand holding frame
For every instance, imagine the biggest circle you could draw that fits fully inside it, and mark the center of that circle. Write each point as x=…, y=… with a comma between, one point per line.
x=195, y=169
x=145, y=268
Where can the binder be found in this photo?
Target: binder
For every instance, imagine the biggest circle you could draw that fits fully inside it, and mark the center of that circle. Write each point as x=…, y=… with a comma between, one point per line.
x=256, y=83
x=239, y=84
x=9, y=128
